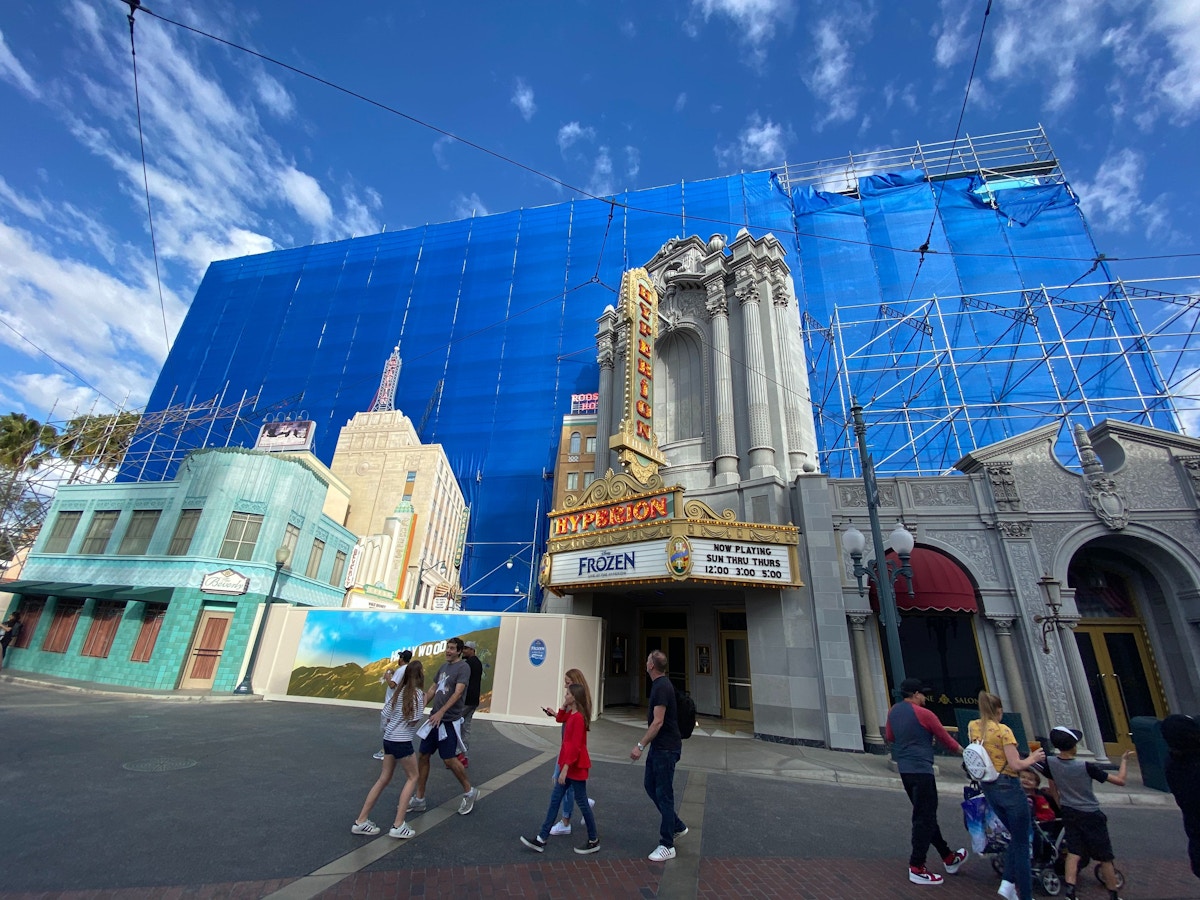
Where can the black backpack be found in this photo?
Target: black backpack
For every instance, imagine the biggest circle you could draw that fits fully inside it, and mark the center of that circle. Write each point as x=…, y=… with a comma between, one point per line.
x=685, y=713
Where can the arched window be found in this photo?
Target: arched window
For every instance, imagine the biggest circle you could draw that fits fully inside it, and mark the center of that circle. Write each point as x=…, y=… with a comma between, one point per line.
x=679, y=388
x=576, y=437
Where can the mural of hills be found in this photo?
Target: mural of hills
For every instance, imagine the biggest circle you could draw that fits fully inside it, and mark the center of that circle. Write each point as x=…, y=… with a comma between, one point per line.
x=354, y=681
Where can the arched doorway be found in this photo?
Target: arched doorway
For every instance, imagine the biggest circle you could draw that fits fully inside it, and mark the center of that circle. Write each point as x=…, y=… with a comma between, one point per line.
x=1117, y=657
x=937, y=632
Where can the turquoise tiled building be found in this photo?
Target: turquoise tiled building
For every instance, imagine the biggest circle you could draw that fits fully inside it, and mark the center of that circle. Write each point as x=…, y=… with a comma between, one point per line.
x=160, y=584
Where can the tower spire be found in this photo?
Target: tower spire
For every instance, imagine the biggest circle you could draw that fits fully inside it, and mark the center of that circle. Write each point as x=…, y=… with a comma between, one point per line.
x=385, y=397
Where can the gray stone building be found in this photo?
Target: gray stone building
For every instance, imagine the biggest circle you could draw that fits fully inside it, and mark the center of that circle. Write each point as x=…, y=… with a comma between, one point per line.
x=1072, y=594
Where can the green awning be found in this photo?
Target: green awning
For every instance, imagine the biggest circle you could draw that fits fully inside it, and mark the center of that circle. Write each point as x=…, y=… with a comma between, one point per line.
x=128, y=592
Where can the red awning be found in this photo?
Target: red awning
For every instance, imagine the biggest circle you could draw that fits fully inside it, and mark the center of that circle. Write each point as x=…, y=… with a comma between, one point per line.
x=938, y=583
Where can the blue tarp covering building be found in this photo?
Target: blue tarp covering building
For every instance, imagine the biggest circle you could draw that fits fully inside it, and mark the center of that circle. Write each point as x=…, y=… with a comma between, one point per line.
x=982, y=336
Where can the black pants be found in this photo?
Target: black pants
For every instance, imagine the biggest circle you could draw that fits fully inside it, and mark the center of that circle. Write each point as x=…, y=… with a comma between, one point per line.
x=922, y=792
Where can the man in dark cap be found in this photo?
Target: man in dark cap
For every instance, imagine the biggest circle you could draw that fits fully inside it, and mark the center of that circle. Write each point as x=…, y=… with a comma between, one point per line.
x=911, y=730
x=1182, y=734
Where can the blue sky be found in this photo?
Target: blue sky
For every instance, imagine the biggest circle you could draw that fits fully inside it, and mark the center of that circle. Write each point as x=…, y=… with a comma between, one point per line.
x=245, y=156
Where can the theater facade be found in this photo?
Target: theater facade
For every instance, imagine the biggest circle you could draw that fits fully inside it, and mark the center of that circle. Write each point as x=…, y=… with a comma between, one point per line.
x=1071, y=591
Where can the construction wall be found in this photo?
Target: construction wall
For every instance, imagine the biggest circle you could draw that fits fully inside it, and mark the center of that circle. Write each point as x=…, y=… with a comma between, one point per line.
x=339, y=655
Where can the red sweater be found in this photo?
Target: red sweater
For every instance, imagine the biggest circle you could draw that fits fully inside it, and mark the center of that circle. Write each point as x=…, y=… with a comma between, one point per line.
x=574, y=753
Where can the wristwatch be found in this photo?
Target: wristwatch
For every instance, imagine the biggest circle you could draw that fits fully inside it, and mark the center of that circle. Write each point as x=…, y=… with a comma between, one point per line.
x=640, y=747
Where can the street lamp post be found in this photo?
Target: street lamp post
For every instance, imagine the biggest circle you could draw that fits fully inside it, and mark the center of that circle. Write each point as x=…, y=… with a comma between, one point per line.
x=879, y=569
x=282, y=555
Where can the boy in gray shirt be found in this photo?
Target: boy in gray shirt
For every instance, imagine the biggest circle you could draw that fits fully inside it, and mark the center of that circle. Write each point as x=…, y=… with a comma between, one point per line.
x=1085, y=824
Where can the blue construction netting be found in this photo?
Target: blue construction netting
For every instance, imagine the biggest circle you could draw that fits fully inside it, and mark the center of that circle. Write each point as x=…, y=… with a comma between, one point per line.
x=495, y=319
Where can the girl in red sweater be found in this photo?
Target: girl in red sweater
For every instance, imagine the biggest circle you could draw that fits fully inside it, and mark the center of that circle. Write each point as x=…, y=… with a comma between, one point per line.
x=573, y=764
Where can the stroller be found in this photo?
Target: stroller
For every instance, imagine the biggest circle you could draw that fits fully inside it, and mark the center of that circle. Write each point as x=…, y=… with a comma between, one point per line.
x=989, y=837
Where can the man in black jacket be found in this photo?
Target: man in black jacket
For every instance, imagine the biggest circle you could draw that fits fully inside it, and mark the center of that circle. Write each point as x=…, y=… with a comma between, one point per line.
x=471, y=699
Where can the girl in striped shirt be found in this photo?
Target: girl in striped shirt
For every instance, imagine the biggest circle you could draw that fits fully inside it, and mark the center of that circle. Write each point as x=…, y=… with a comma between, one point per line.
x=401, y=713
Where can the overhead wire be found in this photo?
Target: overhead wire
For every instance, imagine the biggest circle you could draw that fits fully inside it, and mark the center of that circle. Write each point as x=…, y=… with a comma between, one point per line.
x=137, y=100
x=940, y=188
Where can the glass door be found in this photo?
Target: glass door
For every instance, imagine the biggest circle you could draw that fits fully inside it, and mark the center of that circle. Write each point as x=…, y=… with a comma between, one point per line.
x=737, y=698
x=1121, y=680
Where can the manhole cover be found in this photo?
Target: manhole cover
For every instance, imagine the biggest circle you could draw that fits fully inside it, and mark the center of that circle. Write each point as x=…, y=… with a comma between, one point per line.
x=159, y=764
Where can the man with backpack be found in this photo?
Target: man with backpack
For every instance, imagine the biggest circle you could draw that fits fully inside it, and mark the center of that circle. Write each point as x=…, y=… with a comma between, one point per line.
x=911, y=730
x=662, y=745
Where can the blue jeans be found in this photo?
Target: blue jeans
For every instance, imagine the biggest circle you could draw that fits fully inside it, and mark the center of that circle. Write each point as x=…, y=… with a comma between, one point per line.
x=659, y=782
x=568, y=800
x=579, y=789
x=1010, y=803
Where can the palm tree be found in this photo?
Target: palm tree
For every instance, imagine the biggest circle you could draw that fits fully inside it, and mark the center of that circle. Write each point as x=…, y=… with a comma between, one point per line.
x=21, y=439
x=99, y=441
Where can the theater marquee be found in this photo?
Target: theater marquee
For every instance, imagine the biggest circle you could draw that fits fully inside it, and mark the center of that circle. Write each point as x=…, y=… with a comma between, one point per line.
x=627, y=532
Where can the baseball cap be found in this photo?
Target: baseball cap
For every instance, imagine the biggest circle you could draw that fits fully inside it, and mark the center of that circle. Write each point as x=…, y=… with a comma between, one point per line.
x=1064, y=738
x=910, y=686
x=470, y=644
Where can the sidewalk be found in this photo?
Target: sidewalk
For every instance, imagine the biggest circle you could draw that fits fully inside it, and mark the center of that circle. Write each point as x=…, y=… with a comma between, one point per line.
x=709, y=749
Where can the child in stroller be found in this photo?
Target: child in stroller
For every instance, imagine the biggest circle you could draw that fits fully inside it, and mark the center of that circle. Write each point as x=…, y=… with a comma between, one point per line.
x=1046, y=848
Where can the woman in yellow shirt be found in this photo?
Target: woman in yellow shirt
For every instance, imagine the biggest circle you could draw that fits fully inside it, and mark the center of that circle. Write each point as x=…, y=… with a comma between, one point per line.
x=1005, y=794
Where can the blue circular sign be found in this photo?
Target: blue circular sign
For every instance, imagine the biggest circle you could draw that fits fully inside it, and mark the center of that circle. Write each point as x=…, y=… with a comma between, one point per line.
x=537, y=652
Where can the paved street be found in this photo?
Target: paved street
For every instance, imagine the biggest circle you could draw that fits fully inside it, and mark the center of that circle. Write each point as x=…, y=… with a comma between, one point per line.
x=127, y=797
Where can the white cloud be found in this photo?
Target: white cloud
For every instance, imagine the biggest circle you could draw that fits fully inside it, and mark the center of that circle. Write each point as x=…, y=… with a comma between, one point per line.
x=522, y=99
x=601, y=182
x=1179, y=23
x=760, y=144
x=831, y=77
x=305, y=195
x=953, y=33
x=571, y=133
x=439, y=151
x=633, y=161
x=628, y=28
x=681, y=101
x=11, y=70
x=465, y=207
x=1113, y=199
x=274, y=96
x=754, y=21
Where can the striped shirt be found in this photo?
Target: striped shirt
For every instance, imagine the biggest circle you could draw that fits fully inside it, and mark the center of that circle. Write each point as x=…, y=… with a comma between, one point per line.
x=395, y=728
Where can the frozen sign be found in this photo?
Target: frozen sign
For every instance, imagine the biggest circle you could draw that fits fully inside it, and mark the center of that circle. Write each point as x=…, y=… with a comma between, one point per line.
x=641, y=561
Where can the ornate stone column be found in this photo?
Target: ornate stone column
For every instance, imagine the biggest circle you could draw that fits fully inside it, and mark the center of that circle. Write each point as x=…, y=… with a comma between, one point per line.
x=796, y=404
x=606, y=358
x=862, y=674
x=1017, y=700
x=1088, y=723
x=762, y=453
x=725, y=459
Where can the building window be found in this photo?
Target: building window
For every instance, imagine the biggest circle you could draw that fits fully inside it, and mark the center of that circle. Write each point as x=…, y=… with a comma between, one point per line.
x=339, y=568
x=100, y=531
x=62, y=625
x=30, y=609
x=576, y=437
x=241, y=536
x=588, y=478
x=314, y=559
x=591, y=445
x=152, y=619
x=185, y=528
x=291, y=537
x=106, y=619
x=572, y=481
x=141, y=528
x=62, y=532
x=410, y=484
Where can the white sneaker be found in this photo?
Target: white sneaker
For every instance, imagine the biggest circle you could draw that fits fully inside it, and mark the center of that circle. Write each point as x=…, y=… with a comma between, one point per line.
x=379, y=754
x=402, y=831
x=591, y=803
x=560, y=828
x=468, y=801
x=1007, y=890
x=416, y=804
x=662, y=854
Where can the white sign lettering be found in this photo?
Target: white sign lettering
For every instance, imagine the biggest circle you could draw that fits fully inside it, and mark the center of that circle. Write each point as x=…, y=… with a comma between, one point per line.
x=736, y=561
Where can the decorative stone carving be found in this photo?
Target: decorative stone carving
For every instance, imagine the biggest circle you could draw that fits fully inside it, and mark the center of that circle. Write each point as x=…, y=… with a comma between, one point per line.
x=747, y=293
x=1191, y=465
x=1020, y=529
x=717, y=302
x=1003, y=626
x=1107, y=501
x=1104, y=495
x=973, y=545
x=855, y=495
x=1004, y=486
x=1029, y=596
x=858, y=620
x=942, y=492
